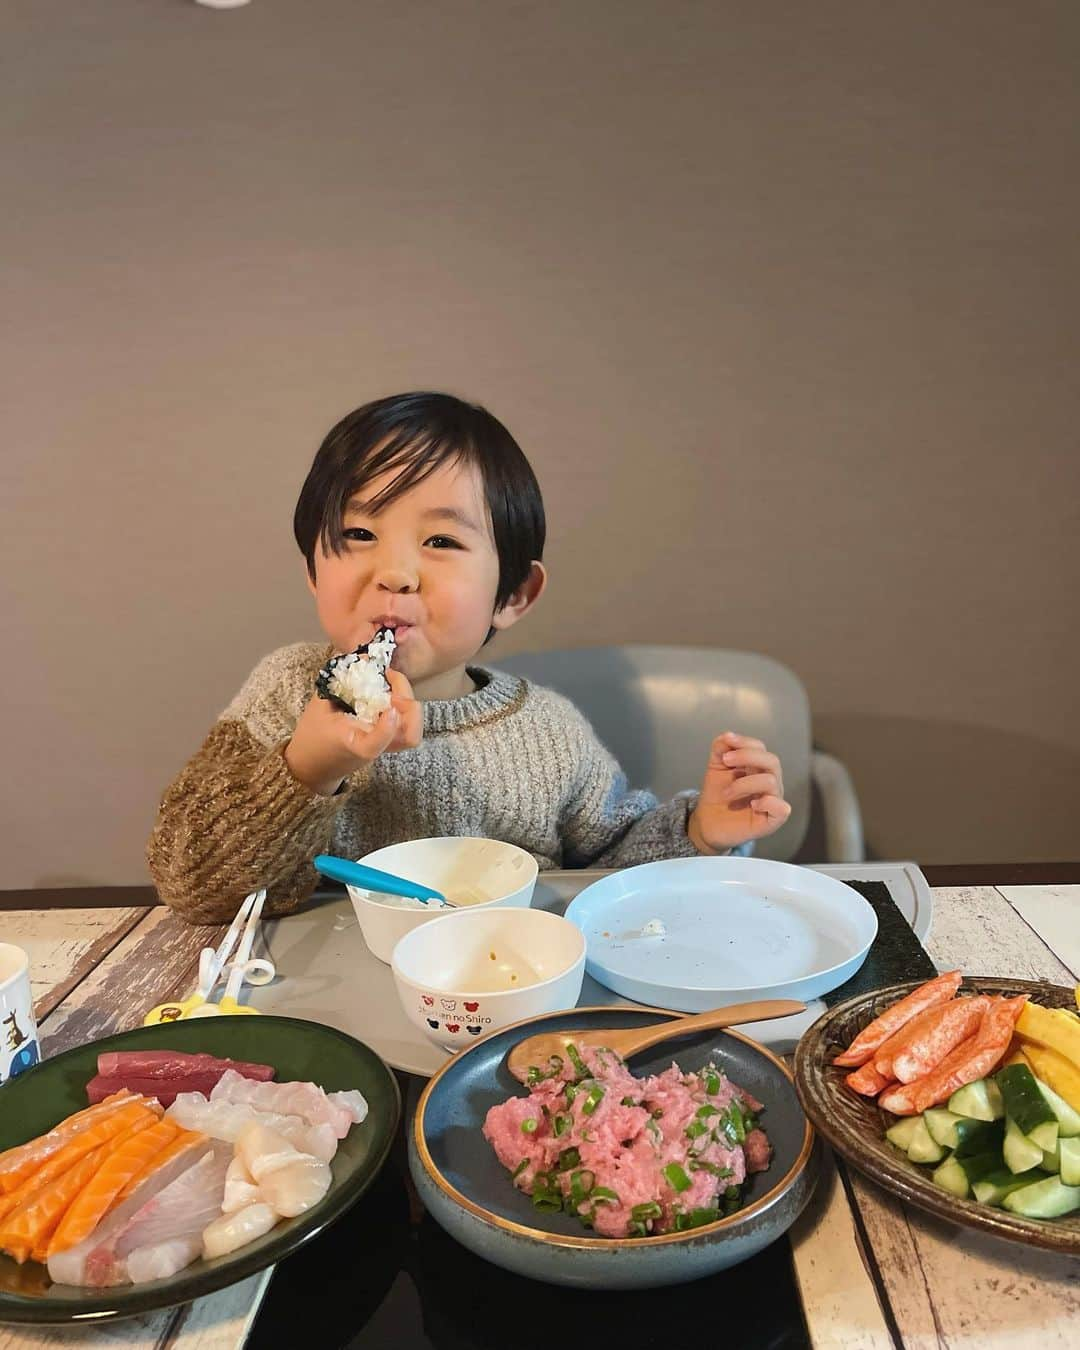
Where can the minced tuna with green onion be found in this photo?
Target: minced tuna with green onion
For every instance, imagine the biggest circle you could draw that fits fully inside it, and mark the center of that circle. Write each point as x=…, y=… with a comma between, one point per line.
x=630, y=1156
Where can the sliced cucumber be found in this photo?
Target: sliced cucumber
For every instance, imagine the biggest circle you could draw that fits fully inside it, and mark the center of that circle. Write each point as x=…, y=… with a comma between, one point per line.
x=980, y=1100
x=942, y=1126
x=975, y=1166
x=900, y=1133
x=995, y=1186
x=923, y=1149
x=1025, y=1104
x=1048, y=1199
x=979, y=1136
x=1020, y=1152
x=1068, y=1118
x=951, y=1177
x=1069, y=1150
x=1052, y=1158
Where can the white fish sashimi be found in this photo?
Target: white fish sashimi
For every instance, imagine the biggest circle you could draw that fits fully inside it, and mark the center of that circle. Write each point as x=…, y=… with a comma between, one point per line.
x=163, y=1259
x=307, y=1100
x=78, y=1265
x=182, y=1209
x=232, y=1231
x=353, y=1102
x=224, y=1120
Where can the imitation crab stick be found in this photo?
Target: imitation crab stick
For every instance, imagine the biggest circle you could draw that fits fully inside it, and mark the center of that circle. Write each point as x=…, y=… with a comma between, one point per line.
x=867, y=1081
x=100, y=1192
x=872, y=1037
x=970, y=1060
x=110, y=1126
x=916, y=1049
x=20, y=1162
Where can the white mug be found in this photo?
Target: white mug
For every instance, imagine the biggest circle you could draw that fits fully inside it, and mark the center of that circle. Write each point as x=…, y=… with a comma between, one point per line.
x=20, y=1048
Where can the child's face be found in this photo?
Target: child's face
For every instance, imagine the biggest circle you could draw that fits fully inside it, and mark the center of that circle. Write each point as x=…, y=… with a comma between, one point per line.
x=426, y=566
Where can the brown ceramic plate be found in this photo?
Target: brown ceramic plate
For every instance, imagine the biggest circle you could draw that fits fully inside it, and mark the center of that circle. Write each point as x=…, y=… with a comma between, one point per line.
x=855, y=1126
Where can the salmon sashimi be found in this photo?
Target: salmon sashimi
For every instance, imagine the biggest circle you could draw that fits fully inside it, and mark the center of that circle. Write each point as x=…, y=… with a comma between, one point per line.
x=99, y=1195
x=23, y=1231
x=182, y=1140
x=872, y=1037
x=109, y=1126
x=970, y=1060
x=97, y=1249
x=867, y=1082
x=16, y=1164
x=924, y=1050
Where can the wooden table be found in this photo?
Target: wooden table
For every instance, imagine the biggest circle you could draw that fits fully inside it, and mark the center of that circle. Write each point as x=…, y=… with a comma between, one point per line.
x=871, y=1271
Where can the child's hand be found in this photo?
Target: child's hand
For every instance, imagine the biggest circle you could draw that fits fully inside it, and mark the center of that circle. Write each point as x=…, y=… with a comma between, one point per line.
x=742, y=796
x=328, y=744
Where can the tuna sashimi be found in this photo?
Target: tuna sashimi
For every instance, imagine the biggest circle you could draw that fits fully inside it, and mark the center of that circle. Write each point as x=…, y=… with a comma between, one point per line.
x=306, y=1100
x=94, y=1202
x=180, y=1210
x=166, y=1090
x=69, y=1267
x=225, y=1120
x=172, y=1064
x=16, y=1164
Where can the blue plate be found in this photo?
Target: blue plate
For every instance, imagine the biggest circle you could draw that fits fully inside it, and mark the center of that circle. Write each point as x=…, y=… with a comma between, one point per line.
x=469, y=1192
x=700, y=933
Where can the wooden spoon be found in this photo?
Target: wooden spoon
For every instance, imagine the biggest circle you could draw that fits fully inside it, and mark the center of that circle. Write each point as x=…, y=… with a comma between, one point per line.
x=626, y=1041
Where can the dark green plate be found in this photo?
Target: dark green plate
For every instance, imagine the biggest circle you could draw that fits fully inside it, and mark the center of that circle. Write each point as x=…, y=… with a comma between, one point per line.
x=38, y=1099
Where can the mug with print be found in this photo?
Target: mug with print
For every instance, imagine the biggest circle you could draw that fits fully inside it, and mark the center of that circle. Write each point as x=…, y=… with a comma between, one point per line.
x=20, y=1048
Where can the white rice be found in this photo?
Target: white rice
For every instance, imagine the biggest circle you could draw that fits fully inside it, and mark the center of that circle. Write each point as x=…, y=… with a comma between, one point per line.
x=359, y=680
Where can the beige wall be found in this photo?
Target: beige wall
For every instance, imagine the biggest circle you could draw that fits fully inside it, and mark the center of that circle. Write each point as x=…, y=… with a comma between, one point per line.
x=781, y=299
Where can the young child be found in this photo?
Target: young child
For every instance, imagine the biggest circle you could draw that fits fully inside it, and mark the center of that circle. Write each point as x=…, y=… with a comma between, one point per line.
x=420, y=513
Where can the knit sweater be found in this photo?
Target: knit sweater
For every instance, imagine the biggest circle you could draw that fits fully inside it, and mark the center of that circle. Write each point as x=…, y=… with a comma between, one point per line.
x=511, y=761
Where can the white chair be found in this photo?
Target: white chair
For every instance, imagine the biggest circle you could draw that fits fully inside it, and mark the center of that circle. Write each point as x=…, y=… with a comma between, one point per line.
x=657, y=709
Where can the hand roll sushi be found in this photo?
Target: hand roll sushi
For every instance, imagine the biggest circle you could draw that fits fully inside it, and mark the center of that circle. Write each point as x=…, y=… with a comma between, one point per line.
x=356, y=682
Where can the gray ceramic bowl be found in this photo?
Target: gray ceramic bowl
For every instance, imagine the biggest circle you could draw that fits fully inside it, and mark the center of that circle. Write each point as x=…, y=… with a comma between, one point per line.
x=469, y=1192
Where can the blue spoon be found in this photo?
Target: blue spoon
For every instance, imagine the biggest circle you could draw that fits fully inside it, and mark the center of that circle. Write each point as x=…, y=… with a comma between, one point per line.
x=371, y=879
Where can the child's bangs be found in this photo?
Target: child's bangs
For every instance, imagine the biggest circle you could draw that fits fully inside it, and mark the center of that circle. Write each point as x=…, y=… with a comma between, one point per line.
x=411, y=458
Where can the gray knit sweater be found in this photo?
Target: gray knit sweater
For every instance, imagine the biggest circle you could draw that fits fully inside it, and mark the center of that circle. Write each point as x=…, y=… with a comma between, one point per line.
x=510, y=761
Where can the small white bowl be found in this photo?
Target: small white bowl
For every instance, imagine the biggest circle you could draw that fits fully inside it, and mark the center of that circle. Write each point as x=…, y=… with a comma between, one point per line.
x=461, y=867
x=475, y=971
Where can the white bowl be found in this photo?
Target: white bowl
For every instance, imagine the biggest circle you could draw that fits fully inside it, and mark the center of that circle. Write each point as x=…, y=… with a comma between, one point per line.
x=461, y=867
x=475, y=971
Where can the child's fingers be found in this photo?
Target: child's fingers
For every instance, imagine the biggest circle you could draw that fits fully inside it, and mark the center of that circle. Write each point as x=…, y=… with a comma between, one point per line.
x=410, y=725
x=744, y=762
x=400, y=688
x=753, y=785
x=768, y=813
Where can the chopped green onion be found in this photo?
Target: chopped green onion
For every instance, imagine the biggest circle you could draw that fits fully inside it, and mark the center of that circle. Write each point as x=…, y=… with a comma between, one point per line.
x=599, y=1193
x=658, y=1115
x=628, y=1101
x=571, y=1091
x=712, y=1083
x=696, y=1128
x=704, y=1112
x=542, y=1181
x=593, y=1100
x=528, y=1126
x=519, y=1169
x=696, y=1165
x=547, y=1202
x=638, y=1229
x=700, y=1217
x=580, y=1067
x=581, y=1183
x=676, y=1177
x=568, y=1158
x=732, y=1193
x=732, y=1124
x=562, y=1124
x=649, y=1210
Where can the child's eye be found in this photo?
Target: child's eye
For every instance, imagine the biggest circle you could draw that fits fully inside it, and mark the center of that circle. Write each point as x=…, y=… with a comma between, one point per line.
x=358, y=534
x=443, y=541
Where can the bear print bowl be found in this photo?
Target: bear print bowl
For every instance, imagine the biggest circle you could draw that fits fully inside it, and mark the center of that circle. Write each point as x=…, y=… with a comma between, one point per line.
x=476, y=971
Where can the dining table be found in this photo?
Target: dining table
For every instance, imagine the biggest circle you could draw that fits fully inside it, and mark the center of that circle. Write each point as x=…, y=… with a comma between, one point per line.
x=860, y=1267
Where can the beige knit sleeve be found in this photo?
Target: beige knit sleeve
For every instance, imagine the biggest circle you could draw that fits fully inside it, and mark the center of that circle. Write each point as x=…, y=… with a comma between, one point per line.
x=234, y=820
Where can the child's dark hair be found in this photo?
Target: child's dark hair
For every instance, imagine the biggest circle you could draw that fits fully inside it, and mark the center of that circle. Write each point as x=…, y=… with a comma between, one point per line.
x=415, y=434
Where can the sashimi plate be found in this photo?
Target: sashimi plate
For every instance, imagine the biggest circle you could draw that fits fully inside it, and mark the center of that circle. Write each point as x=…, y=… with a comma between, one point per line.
x=699, y=933
x=38, y=1099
